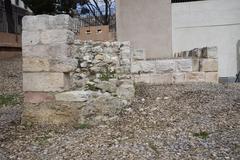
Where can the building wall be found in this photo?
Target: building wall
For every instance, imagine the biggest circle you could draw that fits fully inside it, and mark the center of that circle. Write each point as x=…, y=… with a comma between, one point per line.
x=209, y=23
x=146, y=25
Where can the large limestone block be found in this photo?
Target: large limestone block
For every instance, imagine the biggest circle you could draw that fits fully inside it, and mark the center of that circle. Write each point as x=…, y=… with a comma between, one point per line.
x=38, y=97
x=46, y=22
x=154, y=78
x=184, y=65
x=49, y=65
x=30, y=38
x=143, y=67
x=212, y=77
x=209, y=65
x=179, y=77
x=165, y=66
x=45, y=81
x=57, y=36
x=126, y=90
x=49, y=51
x=195, y=77
x=75, y=96
x=210, y=52
x=50, y=113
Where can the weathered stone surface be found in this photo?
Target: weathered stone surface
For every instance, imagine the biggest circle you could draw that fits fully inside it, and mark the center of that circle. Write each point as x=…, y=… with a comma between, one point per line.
x=107, y=86
x=179, y=77
x=51, y=113
x=212, y=52
x=45, y=82
x=58, y=36
x=101, y=109
x=38, y=97
x=36, y=64
x=75, y=96
x=46, y=22
x=165, y=66
x=209, y=65
x=139, y=54
x=126, y=90
x=143, y=67
x=195, y=65
x=48, y=51
x=30, y=38
x=195, y=76
x=44, y=64
x=184, y=65
x=212, y=77
x=154, y=78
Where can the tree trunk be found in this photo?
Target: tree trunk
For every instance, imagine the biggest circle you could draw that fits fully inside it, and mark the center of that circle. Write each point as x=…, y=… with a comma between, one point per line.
x=9, y=14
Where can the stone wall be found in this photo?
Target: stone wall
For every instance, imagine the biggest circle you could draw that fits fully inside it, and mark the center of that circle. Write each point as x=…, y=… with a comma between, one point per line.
x=198, y=65
x=68, y=82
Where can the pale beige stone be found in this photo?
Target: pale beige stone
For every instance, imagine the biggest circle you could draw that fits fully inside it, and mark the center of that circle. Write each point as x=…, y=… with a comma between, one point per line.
x=212, y=77
x=165, y=66
x=47, y=51
x=46, y=82
x=35, y=64
x=50, y=113
x=184, y=65
x=209, y=65
x=196, y=65
x=30, y=38
x=179, y=77
x=154, y=78
x=195, y=77
x=53, y=65
x=57, y=36
x=74, y=96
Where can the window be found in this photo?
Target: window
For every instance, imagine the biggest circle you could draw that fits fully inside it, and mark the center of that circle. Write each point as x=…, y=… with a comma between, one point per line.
x=17, y=2
x=20, y=20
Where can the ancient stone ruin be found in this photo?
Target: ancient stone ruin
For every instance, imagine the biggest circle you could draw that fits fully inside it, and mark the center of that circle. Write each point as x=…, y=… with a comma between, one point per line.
x=69, y=82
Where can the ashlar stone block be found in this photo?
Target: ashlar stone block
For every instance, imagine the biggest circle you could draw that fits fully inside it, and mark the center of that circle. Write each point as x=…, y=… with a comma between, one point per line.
x=45, y=82
x=57, y=36
x=209, y=65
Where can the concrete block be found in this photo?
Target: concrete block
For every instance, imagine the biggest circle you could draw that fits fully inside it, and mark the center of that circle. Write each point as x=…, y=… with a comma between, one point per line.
x=57, y=36
x=165, y=66
x=47, y=65
x=38, y=97
x=184, y=65
x=195, y=76
x=212, y=77
x=139, y=54
x=30, y=38
x=179, y=77
x=60, y=51
x=46, y=22
x=143, y=67
x=209, y=65
x=209, y=52
x=45, y=82
x=154, y=78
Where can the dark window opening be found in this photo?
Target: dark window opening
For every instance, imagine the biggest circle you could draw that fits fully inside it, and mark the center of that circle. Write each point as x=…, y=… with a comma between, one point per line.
x=17, y=2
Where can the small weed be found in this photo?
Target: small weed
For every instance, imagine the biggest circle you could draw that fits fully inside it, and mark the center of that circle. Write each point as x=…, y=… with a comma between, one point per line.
x=107, y=74
x=202, y=135
x=83, y=126
x=9, y=100
x=91, y=87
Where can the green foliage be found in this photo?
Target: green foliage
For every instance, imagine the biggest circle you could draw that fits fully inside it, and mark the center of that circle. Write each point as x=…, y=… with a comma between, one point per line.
x=91, y=87
x=83, y=126
x=202, y=135
x=107, y=74
x=9, y=100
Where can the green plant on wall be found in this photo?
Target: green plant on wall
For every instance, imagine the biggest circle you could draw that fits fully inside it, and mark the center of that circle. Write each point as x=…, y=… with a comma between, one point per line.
x=8, y=100
x=107, y=74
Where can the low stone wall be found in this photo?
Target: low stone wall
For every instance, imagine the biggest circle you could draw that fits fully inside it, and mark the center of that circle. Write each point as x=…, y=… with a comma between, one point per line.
x=198, y=65
x=68, y=82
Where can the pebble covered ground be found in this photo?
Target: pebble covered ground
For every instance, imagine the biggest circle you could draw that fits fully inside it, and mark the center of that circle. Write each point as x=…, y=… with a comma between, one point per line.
x=190, y=121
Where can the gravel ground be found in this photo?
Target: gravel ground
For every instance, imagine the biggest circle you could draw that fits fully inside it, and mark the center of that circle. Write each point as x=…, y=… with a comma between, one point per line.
x=191, y=121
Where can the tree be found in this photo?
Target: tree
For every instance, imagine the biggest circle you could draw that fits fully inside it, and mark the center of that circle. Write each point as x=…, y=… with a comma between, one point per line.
x=99, y=9
x=50, y=6
x=9, y=14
